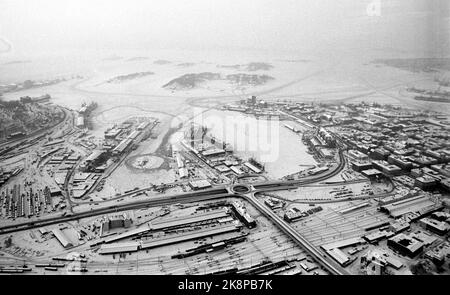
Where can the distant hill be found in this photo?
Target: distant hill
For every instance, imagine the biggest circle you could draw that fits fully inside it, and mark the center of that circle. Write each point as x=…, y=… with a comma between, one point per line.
x=16, y=62
x=186, y=64
x=138, y=58
x=194, y=80
x=251, y=67
x=112, y=58
x=417, y=64
x=123, y=78
x=161, y=62
x=190, y=81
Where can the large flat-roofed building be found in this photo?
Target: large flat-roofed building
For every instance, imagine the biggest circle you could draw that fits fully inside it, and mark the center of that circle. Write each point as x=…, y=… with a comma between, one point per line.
x=435, y=226
x=213, y=152
x=199, y=184
x=116, y=221
x=93, y=156
x=80, y=122
x=180, y=162
x=183, y=172
x=418, y=204
x=252, y=167
x=400, y=161
x=125, y=247
x=120, y=148
x=242, y=214
x=236, y=170
x=62, y=239
x=426, y=182
x=406, y=245
x=188, y=220
x=358, y=156
x=445, y=184
x=360, y=166
x=112, y=134
x=326, y=153
x=371, y=173
x=133, y=134
x=142, y=126
x=380, y=154
x=189, y=235
x=333, y=249
x=222, y=168
x=444, y=169
x=387, y=168
x=127, y=234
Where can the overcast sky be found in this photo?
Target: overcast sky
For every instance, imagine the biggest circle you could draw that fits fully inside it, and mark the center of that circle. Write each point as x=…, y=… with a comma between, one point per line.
x=45, y=25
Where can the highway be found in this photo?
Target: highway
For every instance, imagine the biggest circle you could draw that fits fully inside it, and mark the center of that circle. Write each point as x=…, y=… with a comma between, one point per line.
x=208, y=194
x=321, y=257
x=153, y=202
x=204, y=195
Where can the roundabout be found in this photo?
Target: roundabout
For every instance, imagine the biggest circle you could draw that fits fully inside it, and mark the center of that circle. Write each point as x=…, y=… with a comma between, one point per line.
x=241, y=189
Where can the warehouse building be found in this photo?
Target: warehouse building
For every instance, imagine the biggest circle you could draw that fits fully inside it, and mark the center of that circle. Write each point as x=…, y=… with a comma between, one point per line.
x=242, y=214
x=236, y=170
x=420, y=204
x=435, y=226
x=426, y=182
x=142, y=126
x=400, y=161
x=360, y=166
x=62, y=239
x=387, y=168
x=117, y=221
x=112, y=134
x=252, y=167
x=380, y=154
x=171, y=223
x=199, y=184
x=189, y=235
x=122, y=146
x=371, y=173
x=125, y=247
x=406, y=245
x=358, y=156
x=213, y=152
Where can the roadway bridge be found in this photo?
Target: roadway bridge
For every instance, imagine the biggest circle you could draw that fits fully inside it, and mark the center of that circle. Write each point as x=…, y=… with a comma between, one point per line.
x=244, y=191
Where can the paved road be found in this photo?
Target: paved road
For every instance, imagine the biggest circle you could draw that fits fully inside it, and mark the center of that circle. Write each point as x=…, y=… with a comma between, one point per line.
x=320, y=256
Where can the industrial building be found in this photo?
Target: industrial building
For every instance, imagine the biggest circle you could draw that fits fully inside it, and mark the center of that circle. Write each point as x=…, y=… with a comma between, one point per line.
x=420, y=204
x=435, y=226
x=252, y=167
x=371, y=173
x=213, y=152
x=189, y=235
x=199, y=184
x=426, y=182
x=125, y=247
x=358, y=156
x=242, y=214
x=117, y=221
x=387, y=168
x=406, y=245
x=187, y=220
x=142, y=126
x=122, y=146
x=360, y=166
x=236, y=170
x=333, y=249
x=62, y=239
